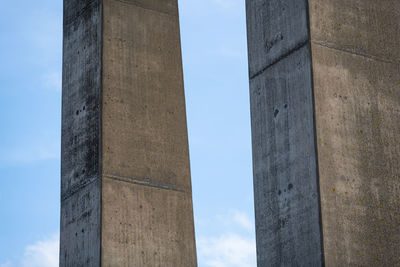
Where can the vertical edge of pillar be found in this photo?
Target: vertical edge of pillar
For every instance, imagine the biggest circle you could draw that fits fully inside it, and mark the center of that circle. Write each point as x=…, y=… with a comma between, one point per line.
x=285, y=163
x=80, y=233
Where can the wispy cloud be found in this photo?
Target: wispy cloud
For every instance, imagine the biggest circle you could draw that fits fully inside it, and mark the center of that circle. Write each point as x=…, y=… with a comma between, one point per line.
x=30, y=153
x=232, y=248
x=243, y=220
x=42, y=254
x=228, y=250
x=236, y=218
x=6, y=264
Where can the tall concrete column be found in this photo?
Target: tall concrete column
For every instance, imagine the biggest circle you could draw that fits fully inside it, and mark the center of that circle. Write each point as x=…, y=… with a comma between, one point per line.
x=325, y=98
x=126, y=189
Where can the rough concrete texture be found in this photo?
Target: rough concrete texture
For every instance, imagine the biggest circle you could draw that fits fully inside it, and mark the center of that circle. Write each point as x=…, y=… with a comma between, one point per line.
x=357, y=97
x=126, y=190
x=147, y=215
x=365, y=27
x=146, y=226
x=287, y=208
x=275, y=28
x=80, y=156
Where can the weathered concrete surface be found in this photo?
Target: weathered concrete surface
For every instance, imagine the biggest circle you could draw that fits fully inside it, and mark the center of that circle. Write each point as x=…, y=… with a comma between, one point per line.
x=80, y=156
x=356, y=84
x=357, y=98
x=147, y=215
x=365, y=27
x=146, y=226
x=275, y=28
x=287, y=208
x=358, y=115
x=126, y=190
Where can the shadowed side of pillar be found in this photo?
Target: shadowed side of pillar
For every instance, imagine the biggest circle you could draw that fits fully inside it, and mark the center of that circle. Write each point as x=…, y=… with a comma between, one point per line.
x=80, y=156
x=288, y=229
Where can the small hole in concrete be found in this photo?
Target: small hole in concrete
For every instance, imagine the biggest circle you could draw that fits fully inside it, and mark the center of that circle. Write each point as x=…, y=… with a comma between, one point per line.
x=285, y=105
x=84, y=107
x=77, y=112
x=279, y=192
x=276, y=112
x=290, y=186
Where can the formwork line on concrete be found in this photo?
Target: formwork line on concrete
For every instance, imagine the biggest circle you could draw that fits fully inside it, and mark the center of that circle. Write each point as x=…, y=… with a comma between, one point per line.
x=135, y=3
x=146, y=182
x=74, y=189
x=298, y=47
x=364, y=55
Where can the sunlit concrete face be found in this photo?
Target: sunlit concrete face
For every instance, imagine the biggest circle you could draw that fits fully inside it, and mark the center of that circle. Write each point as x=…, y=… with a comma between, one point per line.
x=357, y=98
x=355, y=80
x=126, y=189
x=147, y=217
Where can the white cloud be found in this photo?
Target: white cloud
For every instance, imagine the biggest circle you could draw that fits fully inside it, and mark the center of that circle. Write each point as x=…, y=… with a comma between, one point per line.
x=232, y=248
x=236, y=218
x=42, y=254
x=243, y=220
x=228, y=250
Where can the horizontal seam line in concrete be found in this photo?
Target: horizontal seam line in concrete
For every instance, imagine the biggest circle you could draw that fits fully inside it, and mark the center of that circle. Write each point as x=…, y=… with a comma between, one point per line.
x=146, y=182
x=330, y=46
x=146, y=8
x=287, y=54
x=81, y=13
x=72, y=191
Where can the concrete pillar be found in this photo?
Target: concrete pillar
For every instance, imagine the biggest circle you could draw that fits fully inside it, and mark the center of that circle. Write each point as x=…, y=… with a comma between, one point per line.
x=325, y=97
x=355, y=52
x=126, y=189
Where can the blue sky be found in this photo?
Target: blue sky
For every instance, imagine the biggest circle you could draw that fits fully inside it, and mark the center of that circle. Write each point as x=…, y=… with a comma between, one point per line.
x=216, y=85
